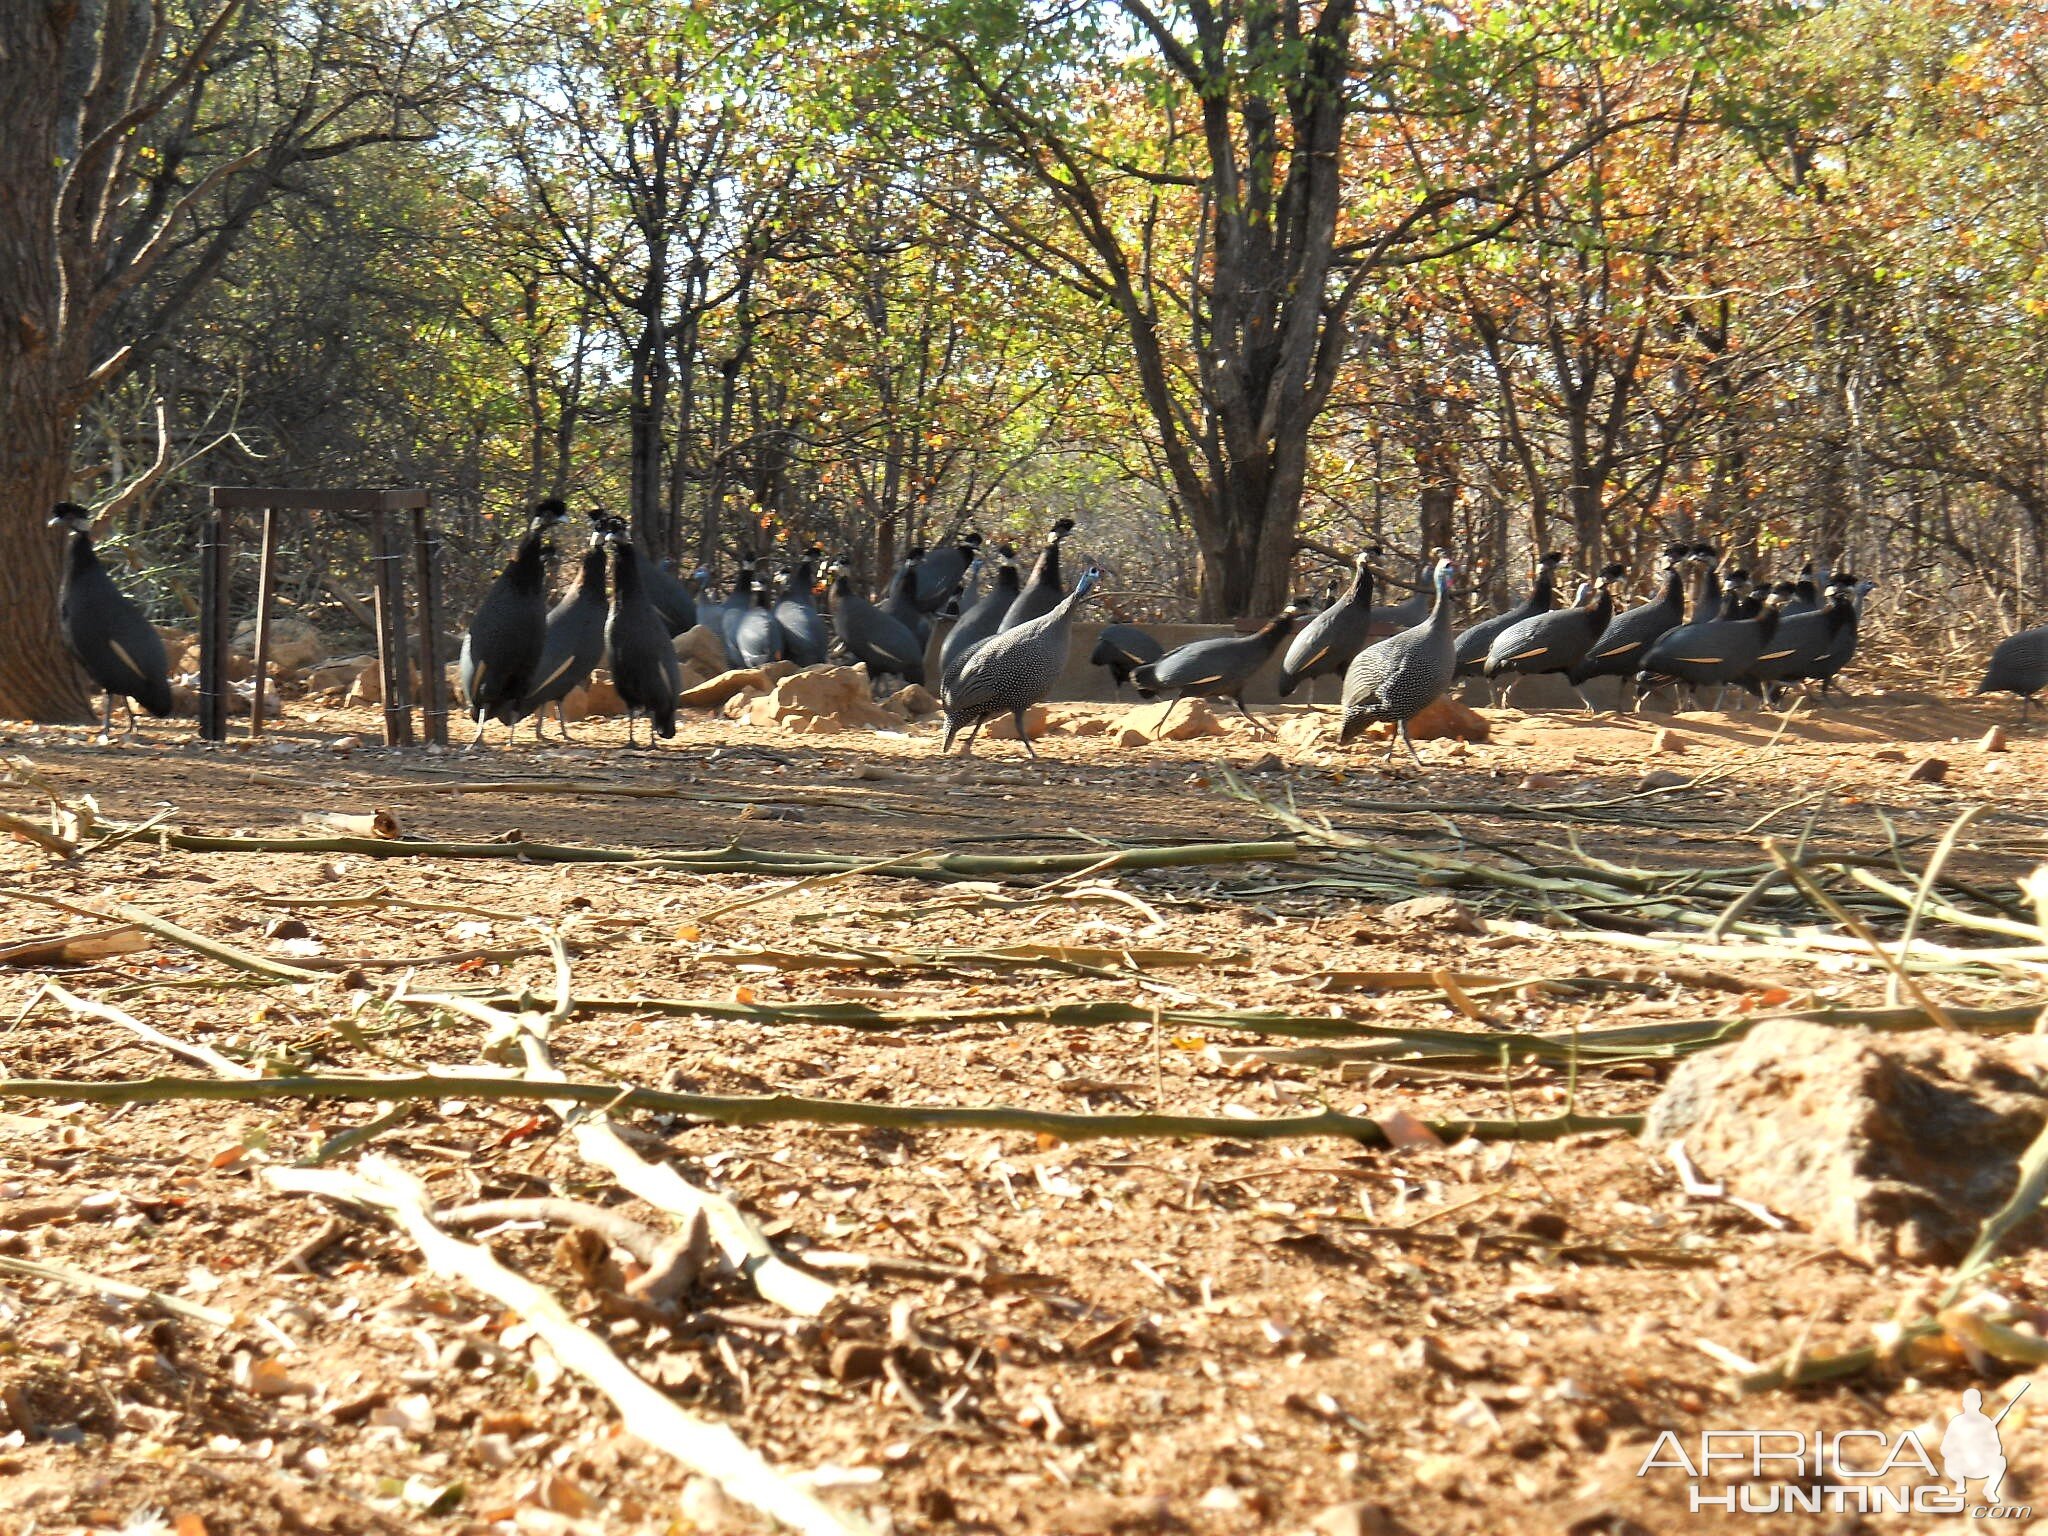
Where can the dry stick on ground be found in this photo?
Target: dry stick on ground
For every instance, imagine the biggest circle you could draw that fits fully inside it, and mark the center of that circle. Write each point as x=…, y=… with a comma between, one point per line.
x=203, y=1055
x=711, y=1450
x=776, y=1109
x=184, y=938
x=84, y=1280
x=63, y=847
x=1804, y=879
x=1925, y=889
x=620, y=1231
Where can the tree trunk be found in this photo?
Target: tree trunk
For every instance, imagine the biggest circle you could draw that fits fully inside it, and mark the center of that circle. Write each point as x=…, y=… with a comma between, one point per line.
x=38, y=678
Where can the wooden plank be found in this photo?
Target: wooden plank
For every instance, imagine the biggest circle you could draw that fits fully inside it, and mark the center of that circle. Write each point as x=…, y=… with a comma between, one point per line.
x=433, y=676
x=401, y=499
x=213, y=636
x=266, y=568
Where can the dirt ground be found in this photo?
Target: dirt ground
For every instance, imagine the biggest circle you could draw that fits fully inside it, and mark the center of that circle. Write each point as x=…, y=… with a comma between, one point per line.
x=1034, y=1334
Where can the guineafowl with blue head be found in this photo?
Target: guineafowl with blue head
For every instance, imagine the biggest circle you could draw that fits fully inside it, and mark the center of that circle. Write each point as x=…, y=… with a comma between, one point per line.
x=502, y=649
x=111, y=637
x=875, y=639
x=1401, y=676
x=1221, y=668
x=1326, y=644
x=643, y=654
x=1013, y=670
x=574, y=641
x=1476, y=640
x=984, y=617
x=805, y=638
x=1043, y=589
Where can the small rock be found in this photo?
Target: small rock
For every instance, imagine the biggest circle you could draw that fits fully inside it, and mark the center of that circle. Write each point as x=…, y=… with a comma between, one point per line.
x=857, y=1359
x=1888, y=755
x=288, y=928
x=1361, y=1517
x=1667, y=740
x=1441, y=1474
x=912, y=702
x=1993, y=740
x=1079, y=725
x=702, y=646
x=1426, y=1354
x=711, y=694
x=736, y=707
x=343, y=745
x=1448, y=718
x=1929, y=770
x=1171, y=720
x=1548, y=1226
x=1660, y=778
x=1445, y=913
x=601, y=699
x=1542, y=781
x=1270, y=763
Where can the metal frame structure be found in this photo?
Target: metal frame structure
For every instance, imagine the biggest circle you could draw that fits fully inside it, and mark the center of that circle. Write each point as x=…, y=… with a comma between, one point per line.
x=387, y=561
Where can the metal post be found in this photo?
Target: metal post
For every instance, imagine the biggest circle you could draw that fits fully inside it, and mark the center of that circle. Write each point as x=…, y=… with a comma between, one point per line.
x=213, y=637
x=380, y=594
x=398, y=702
x=433, y=678
x=266, y=565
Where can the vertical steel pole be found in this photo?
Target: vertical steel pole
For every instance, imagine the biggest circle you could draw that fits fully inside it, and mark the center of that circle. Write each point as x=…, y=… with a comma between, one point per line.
x=266, y=567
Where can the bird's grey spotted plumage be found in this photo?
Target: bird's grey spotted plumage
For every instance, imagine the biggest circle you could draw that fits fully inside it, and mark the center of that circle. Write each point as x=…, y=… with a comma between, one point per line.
x=806, y=639
x=502, y=648
x=1011, y=671
x=1413, y=609
x=574, y=641
x=109, y=635
x=940, y=572
x=900, y=602
x=1708, y=654
x=2019, y=665
x=1325, y=645
x=1475, y=640
x=1403, y=674
x=984, y=617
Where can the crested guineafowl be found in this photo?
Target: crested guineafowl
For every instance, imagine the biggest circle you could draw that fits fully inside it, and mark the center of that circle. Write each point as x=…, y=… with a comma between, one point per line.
x=940, y=573
x=1404, y=674
x=1476, y=640
x=2019, y=665
x=1123, y=648
x=1011, y=671
x=877, y=640
x=676, y=604
x=985, y=616
x=1221, y=668
x=1713, y=653
x=116, y=644
x=1801, y=642
x=1619, y=649
x=1559, y=640
x=1043, y=588
x=900, y=601
x=1842, y=648
x=644, y=665
x=502, y=649
x=1327, y=642
x=574, y=641
x=806, y=640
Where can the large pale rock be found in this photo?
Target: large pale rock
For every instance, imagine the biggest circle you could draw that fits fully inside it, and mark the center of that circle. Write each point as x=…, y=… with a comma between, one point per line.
x=820, y=700
x=1037, y=721
x=912, y=702
x=294, y=644
x=736, y=707
x=1306, y=733
x=711, y=694
x=703, y=647
x=601, y=699
x=1169, y=720
x=1447, y=718
x=337, y=676
x=1891, y=1146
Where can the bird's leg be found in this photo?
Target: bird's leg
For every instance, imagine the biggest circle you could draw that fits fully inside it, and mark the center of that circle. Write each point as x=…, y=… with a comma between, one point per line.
x=967, y=746
x=1024, y=735
x=632, y=722
x=1507, y=691
x=1581, y=692
x=129, y=705
x=1238, y=700
x=1409, y=743
x=481, y=722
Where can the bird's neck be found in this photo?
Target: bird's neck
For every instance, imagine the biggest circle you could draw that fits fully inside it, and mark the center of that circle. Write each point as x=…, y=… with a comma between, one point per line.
x=83, y=557
x=592, y=579
x=625, y=574
x=526, y=570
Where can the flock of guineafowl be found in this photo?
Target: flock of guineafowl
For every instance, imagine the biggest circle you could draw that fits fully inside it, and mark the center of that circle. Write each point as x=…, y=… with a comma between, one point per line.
x=1008, y=643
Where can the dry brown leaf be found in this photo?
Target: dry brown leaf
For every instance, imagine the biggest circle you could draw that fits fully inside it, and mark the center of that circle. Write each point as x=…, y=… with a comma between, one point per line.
x=1403, y=1131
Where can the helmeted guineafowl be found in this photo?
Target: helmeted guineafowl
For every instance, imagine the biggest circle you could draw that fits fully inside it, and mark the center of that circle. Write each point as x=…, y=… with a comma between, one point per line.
x=1326, y=643
x=806, y=640
x=900, y=601
x=113, y=640
x=1713, y=653
x=1043, y=588
x=985, y=616
x=1559, y=640
x=502, y=649
x=1404, y=674
x=940, y=572
x=1011, y=671
x=574, y=641
x=1619, y=650
x=1476, y=640
x=1123, y=648
x=1221, y=668
x=2019, y=664
x=874, y=638
x=643, y=655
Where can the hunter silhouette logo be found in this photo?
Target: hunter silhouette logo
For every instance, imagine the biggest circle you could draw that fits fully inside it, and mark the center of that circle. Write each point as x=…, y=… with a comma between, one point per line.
x=1857, y=1471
